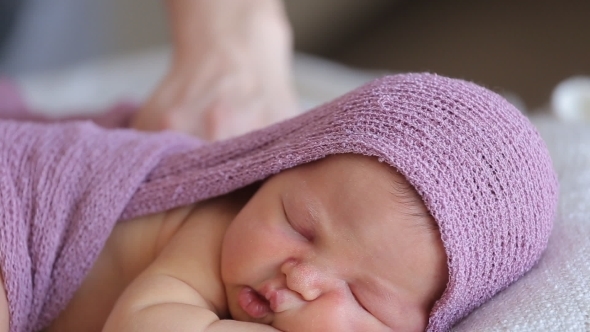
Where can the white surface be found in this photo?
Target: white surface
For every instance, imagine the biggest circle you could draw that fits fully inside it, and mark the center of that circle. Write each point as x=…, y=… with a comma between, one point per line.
x=554, y=296
x=98, y=84
x=94, y=85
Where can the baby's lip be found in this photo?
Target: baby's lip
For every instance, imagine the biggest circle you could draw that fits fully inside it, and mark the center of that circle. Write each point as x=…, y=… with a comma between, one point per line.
x=253, y=304
x=279, y=299
x=272, y=295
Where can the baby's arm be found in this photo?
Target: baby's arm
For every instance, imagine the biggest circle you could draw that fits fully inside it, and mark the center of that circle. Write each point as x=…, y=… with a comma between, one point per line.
x=160, y=302
x=182, y=289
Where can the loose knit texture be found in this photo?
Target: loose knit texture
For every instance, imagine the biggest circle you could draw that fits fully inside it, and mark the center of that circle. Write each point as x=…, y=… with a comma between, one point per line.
x=480, y=167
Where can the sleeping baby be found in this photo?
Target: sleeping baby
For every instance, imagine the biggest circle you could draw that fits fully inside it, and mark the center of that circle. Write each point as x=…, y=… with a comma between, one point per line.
x=400, y=206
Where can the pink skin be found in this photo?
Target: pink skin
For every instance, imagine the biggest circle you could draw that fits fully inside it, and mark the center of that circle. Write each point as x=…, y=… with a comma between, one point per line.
x=329, y=247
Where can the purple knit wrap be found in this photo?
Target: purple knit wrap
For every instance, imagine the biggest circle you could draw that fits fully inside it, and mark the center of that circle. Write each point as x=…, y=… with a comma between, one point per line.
x=479, y=165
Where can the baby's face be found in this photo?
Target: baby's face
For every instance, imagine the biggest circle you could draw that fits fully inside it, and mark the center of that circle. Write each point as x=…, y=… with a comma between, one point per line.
x=328, y=246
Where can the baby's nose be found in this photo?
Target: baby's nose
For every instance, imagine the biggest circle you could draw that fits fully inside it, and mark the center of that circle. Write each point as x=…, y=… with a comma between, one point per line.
x=303, y=279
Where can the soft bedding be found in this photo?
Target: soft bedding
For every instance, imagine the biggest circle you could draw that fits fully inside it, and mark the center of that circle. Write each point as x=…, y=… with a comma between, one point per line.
x=554, y=296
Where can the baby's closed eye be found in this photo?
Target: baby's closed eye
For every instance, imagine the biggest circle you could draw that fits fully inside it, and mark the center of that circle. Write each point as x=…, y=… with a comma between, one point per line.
x=299, y=224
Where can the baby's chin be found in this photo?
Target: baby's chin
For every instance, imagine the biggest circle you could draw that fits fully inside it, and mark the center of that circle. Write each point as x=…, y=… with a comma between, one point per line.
x=243, y=317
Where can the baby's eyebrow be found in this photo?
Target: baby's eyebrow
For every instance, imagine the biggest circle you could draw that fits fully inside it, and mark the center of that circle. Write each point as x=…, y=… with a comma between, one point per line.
x=406, y=195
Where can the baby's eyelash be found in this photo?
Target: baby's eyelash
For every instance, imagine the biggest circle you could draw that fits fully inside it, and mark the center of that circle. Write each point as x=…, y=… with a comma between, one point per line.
x=287, y=216
x=307, y=235
x=357, y=300
x=296, y=227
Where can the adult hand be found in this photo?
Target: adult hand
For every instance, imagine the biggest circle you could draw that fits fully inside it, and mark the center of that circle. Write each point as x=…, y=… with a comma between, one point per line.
x=230, y=73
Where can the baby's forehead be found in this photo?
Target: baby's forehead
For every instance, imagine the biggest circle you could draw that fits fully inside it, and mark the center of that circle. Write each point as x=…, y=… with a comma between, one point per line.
x=350, y=170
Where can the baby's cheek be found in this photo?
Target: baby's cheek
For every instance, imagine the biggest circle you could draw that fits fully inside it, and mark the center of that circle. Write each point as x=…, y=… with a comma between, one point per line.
x=329, y=312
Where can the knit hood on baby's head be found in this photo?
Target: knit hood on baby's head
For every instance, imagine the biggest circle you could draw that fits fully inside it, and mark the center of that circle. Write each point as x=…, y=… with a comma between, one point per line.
x=482, y=170
x=479, y=165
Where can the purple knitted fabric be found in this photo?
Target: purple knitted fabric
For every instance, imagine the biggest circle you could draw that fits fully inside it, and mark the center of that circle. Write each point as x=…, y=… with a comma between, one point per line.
x=479, y=165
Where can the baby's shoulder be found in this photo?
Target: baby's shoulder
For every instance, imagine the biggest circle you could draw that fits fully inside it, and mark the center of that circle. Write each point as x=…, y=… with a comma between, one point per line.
x=190, y=253
x=176, y=239
x=135, y=243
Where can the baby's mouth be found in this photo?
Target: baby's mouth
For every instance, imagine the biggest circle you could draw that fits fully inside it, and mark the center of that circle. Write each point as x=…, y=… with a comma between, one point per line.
x=253, y=304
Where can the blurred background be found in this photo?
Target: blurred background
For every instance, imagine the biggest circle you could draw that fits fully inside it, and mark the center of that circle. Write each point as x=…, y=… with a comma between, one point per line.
x=522, y=46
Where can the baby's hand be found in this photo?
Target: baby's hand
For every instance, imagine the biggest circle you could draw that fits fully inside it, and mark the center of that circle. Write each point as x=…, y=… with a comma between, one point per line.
x=158, y=301
x=181, y=290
